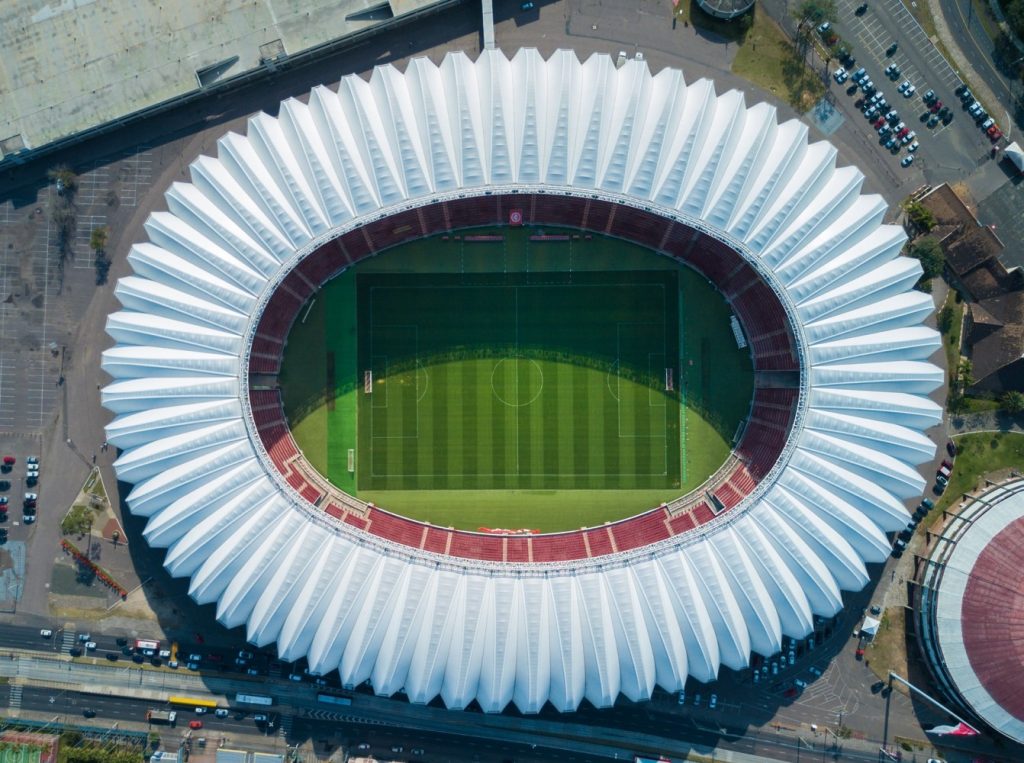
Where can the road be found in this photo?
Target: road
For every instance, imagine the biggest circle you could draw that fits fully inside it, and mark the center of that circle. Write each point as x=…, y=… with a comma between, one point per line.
x=970, y=35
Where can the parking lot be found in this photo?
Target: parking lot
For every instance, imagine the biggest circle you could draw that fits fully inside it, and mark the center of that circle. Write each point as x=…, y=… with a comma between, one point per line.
x=883, y=35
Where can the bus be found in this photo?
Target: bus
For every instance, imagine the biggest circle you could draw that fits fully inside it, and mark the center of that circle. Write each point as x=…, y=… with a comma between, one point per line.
x=333, y=699
x=209, y=704
x=254, y=699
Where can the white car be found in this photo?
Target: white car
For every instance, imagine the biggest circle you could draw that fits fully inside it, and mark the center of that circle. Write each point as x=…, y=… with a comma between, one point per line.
x=713, y=702
x=802, y=684
x=29, y=519
x=90, y=646
x=815, y=671
x=909, y=91
x=913, y=147
x=200, y=711
x=31, y=496
x=32, y=460
x=904, y=85
x=907, y=161
x=824, y=27
x=221, y=712
x=46, y=633
x=839, y=74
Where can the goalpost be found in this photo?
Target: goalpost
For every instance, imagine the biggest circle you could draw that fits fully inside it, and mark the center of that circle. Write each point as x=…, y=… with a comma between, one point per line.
x=368, y=382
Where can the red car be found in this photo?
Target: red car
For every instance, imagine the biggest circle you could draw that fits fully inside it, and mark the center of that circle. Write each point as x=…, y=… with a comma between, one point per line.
x=994, y=133
x=879, y=122
x=195, y=724
x=936, y=106
x=902, y=132
x=9, y=460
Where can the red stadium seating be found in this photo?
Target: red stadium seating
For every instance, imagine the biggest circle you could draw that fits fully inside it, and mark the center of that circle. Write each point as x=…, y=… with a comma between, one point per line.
x=641, y=530
x=598, y=541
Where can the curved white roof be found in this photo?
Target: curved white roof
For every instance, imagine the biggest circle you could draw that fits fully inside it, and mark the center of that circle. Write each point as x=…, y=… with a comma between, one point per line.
x=521, y=633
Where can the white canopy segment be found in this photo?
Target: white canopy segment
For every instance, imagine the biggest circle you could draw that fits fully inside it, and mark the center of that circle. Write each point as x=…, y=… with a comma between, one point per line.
x=525, y=633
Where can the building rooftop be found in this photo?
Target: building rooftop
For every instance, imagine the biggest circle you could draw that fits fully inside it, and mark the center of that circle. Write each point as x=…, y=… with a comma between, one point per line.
x=115, y=59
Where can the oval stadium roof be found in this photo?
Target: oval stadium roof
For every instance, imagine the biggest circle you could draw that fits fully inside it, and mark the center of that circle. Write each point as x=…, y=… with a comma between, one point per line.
x=524, y=633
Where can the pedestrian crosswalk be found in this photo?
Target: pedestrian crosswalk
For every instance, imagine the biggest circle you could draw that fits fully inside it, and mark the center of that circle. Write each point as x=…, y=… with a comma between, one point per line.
x=14, y=702
x=67, y=638
x=285, y=729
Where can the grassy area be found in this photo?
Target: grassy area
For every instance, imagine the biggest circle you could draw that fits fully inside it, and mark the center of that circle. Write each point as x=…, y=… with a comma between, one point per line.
x=951, y=338
x=888, y=650
x=979, y=454
x=546, y=511
x=979, y=405
x=533, y=396
x=94, y=485
x=767, y=58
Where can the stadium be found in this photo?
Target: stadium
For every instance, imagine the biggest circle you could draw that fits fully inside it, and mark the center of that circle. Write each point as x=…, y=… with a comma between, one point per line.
x=562, y=157
x=969, y=609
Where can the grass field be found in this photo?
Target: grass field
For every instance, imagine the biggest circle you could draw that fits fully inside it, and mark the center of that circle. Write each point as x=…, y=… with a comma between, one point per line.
x=516, y=383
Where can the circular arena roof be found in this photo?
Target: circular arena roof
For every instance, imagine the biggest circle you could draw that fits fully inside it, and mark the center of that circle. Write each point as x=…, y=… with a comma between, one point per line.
x=973, y=608
x=352, y=588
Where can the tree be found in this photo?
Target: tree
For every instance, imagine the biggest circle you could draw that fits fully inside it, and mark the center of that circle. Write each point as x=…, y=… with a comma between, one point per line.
x=928, y=251
x=945, y=321
x=1013, y=401
x=98, y=239
x=920, y=216
x=65, y=178
x=815, y=11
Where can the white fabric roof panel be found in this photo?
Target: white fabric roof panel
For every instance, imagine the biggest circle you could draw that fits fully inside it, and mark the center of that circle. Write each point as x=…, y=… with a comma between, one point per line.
x=492, y=633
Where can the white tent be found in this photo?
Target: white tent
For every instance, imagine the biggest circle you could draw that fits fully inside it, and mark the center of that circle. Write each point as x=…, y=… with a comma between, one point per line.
x=1016, y=155
x=870, y=627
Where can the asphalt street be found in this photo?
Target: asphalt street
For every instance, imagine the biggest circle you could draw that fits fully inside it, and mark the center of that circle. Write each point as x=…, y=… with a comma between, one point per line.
x=970, y=35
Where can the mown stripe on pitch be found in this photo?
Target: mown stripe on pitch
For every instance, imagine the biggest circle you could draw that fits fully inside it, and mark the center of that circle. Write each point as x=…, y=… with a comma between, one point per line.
x=582, y=421
x=564, y=440
x=454, y=461
x=469, y=403
x=549, y=455
x=439, y=420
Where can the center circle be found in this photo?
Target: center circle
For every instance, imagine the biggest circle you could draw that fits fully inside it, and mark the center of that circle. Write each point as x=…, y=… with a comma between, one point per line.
x=517, y=382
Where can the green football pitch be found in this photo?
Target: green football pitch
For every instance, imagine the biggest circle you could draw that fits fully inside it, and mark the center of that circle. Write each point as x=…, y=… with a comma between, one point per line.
x=516, y=383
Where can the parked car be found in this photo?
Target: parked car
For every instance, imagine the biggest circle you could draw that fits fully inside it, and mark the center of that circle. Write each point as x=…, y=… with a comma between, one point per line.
x=909, y=91
x=994, y=133
x=929, y=96
x=839, y=73
x=913, y=147
x=987, y=123
x=891, y=50
x=195, y=724
x=823, y=28
x=908, y=137
x=221, y=712
x=935, y=107
x=907, y=161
